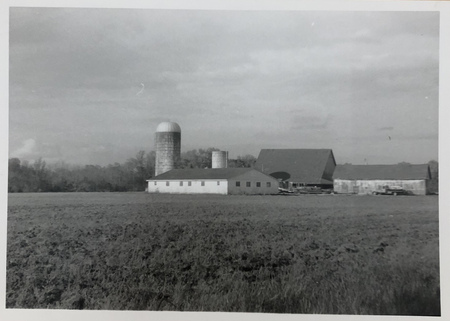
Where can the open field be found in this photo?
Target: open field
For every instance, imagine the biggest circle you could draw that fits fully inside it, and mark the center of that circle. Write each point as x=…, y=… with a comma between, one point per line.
x=283, y=254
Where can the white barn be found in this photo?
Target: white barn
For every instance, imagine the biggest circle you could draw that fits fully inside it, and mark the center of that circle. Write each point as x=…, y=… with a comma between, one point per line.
x=366, y=179
x=213, y=181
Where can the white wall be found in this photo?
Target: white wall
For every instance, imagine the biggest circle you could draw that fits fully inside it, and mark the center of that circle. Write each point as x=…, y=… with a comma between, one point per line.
x=211, y=187
x=417, y=187
x=174, y=187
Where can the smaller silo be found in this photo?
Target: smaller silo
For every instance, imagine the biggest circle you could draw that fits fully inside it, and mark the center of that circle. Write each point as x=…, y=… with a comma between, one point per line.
x=219, y=159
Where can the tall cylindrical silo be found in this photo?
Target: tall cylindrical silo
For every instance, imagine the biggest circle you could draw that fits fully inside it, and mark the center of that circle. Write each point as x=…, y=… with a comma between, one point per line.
x=167, y=146
x=219, y=159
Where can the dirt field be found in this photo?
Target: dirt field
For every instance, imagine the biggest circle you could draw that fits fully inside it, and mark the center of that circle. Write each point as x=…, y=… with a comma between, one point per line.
x=284, y=254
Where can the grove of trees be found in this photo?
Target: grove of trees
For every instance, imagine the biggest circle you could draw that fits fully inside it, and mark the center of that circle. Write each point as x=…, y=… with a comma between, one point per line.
x=129, y=176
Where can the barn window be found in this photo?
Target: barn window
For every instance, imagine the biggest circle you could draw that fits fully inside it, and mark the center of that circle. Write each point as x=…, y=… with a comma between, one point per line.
x=218, y=182
x=268, y=184
x=238, y=183
x=203, y=183
x=258, y=184
x=167, y=183
x=248, y=184
x=181, y=183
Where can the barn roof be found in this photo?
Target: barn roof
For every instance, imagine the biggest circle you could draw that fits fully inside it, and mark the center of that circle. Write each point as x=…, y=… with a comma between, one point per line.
x=303, y=165
x=200, y=173
x=399, y=171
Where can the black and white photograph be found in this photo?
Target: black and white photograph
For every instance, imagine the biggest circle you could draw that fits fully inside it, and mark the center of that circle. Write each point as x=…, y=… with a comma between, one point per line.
x=254, y=161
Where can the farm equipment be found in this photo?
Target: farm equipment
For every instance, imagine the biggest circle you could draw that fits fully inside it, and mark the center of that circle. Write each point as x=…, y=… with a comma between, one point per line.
x=284, y=191
x=310, y=190
x=287, y=188
x=392, y=190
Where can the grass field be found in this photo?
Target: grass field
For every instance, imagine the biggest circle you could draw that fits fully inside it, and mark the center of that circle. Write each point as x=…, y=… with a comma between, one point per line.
x=282, y=254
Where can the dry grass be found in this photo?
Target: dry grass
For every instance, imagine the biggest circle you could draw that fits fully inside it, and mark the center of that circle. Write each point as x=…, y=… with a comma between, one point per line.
x=307, y=254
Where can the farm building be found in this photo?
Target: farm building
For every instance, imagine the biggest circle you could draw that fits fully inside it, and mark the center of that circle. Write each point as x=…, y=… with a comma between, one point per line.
x=213, y=181
x=298, y=167
x=367, y=179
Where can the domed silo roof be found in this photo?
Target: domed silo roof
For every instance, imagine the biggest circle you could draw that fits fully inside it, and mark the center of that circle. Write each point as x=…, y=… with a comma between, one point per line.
x=168, y=127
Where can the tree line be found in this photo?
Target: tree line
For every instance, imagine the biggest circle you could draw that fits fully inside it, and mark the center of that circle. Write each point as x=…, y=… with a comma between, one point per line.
x=129, y=176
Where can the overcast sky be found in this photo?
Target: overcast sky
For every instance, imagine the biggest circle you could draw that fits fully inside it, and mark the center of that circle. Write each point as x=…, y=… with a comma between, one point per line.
x=90, y=86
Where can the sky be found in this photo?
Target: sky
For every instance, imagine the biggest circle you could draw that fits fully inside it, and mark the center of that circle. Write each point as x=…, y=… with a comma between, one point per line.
x=90, y=86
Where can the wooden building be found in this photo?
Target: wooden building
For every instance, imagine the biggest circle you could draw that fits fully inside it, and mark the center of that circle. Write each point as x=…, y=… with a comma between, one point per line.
x=297, y=168
x=213, y=181
x=367, y=179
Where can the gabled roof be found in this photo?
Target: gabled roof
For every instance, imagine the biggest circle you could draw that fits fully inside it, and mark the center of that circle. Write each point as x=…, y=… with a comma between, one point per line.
x=200, y=173
x=303, y=165
x=399, y=171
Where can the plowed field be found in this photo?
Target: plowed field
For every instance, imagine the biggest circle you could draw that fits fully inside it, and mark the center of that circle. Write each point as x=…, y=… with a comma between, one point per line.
x=283, y=254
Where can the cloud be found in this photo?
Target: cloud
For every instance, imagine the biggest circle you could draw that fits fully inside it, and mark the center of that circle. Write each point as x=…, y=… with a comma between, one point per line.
x=229, y=78
x=28, y=148
x=309, y=122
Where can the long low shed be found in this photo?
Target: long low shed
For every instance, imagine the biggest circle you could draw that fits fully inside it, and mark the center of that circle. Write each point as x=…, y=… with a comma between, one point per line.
x=213, y=181
x=366, y=179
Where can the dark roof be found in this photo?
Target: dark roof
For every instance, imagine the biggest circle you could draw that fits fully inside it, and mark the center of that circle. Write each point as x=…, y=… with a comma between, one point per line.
x=200, y=173
x=303, y=165
x=399, y=171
